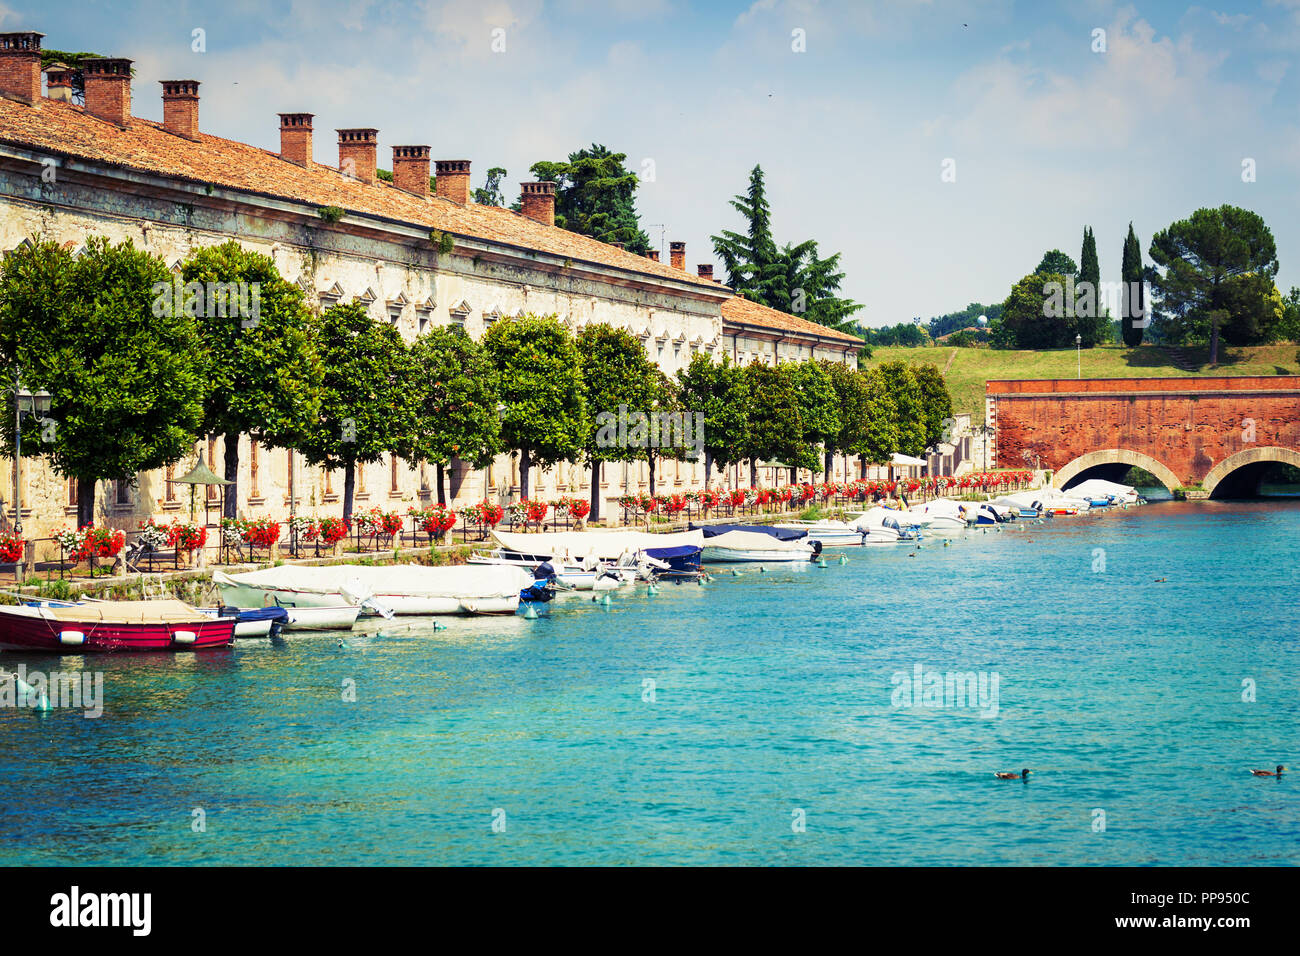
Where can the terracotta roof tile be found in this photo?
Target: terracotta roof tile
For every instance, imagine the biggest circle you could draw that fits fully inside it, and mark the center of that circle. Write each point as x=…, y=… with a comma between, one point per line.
x=745, y=312
x=66, y=129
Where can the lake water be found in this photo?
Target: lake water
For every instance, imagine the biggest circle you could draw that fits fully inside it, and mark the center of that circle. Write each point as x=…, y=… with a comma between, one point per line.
x=1119, y=642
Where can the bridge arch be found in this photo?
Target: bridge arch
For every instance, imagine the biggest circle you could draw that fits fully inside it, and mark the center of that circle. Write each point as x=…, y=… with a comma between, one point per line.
x=1115, y=456
x=1238, y=475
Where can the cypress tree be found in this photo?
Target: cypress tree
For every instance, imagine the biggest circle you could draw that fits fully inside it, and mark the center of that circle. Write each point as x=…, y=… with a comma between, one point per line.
x=1094, y=327
x=1134, y=297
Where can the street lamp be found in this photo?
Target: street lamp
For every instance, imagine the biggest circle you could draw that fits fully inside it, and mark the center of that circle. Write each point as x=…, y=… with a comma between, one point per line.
x=1078, y=352
x=25, y=403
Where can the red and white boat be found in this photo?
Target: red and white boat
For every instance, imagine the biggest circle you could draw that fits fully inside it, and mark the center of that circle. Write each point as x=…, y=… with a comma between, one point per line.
x=113, y=626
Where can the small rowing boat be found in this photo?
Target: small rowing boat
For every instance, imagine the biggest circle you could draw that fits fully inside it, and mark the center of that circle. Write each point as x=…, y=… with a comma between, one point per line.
x=164, y=625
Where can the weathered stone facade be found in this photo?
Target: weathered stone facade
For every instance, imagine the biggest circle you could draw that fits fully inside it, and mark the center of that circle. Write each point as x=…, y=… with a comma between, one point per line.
x=61, y=178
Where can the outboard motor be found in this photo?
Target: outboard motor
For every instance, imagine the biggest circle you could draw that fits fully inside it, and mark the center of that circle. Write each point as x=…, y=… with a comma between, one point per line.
x=817, y=549
x=545, y=572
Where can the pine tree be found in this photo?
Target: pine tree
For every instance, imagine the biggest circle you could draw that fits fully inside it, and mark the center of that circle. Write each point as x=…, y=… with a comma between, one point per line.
x=1134, y=297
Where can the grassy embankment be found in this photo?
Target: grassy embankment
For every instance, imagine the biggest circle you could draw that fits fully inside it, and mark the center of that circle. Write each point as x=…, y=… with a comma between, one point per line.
x=967, y=369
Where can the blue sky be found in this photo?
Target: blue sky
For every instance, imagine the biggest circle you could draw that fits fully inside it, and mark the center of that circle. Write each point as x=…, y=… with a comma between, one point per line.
x=1046, y=134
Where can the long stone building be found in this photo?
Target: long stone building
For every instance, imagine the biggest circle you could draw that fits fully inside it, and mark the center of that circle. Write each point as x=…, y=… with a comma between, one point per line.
x=68, y=171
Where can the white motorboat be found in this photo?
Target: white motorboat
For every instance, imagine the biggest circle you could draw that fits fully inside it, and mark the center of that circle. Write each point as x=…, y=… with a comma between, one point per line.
x=600, y=576
x=887, y=526
x=252, y=622
x=340, y=618
x=755, y=546
x=946, y=515
x=829, y=532
x=401, y=589
x=646, y=555
x=1022, y=504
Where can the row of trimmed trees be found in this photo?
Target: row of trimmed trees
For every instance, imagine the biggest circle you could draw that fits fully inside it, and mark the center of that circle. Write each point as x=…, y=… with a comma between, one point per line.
x=141, y=363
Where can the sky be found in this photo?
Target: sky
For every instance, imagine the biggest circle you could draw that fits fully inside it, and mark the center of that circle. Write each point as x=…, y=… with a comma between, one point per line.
x=941, y=147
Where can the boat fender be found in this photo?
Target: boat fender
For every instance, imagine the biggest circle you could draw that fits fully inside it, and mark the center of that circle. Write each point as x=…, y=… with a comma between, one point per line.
x=184, y=637
x=72, y=638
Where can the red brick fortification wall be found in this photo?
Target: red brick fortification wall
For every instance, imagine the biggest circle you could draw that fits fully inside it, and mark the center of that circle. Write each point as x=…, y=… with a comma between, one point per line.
x=1187, y=424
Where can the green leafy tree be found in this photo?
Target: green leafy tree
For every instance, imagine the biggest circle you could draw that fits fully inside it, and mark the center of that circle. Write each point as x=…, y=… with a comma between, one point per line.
x=263, y=373
x=819, y=413
x=540, y=385
x=774, y=429
x=618, y=379
x=908, y=406
x=1254, y=309
x=126, y=380
x=1058, y=262
x=490, y=194
x=1199, y=256
x=1032, y=318
x=936, y=402
x=720, y=392
x=853, y=408
x=455, y=403
x=1133, y=312
x=595, y=194
x=880, y=435
x=367, y=396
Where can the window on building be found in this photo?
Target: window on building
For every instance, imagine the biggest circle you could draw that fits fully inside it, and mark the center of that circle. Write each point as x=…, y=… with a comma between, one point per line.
x=170, y=493
x=123, y=495
x=392, y=475
x=72, y=492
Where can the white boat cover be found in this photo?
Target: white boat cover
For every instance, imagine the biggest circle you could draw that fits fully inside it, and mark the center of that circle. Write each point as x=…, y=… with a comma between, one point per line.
x=1100, y=488
x=466, y=581
x=605, y=545
x=941, y=508
x=755, y=541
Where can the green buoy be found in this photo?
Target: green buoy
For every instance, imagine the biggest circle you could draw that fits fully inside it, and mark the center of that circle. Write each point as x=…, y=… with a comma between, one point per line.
x=530, y=613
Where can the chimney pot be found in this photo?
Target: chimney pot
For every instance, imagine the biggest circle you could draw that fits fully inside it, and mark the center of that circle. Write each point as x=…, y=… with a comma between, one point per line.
x=705, y=270
x=411, y=169
x=537, y=201
x=108, y=89
x=652, y=255
x=20, y=67
x=677, y=255
x=357, y=148
x=295, y=137
x=451, y=177
x=181, y=107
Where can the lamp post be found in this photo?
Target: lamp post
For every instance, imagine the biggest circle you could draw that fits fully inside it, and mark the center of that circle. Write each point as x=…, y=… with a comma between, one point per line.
x=1078, y=353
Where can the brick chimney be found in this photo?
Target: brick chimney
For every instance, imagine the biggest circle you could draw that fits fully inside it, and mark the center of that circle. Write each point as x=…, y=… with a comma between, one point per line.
x=20, y=67
x=357, y=153
x=108, y=89
x=451, y=177
x=411, y=169
x=58, y=83
x=705, y=271
x=677, y=255
x=538, y=202
x=652, y=255
x=295, y=138
x=181, y=107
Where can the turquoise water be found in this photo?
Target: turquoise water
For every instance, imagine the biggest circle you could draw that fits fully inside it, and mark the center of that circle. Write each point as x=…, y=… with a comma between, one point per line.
x=772, y=694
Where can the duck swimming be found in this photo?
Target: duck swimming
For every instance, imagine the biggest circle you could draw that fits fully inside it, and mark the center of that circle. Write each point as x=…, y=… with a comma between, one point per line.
x=1007, y=775
x=1269, y=773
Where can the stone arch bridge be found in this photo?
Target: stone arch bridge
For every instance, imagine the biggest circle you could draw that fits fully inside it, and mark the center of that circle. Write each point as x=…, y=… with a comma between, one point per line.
x=1220, y=433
